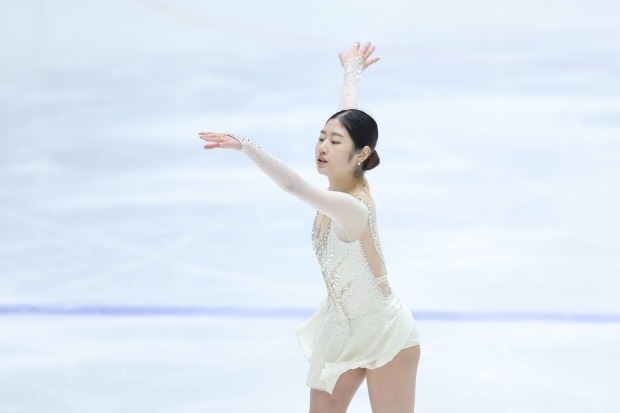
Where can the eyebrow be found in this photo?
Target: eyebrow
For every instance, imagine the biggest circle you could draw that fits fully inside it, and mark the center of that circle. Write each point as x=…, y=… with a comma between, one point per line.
x=333, y=134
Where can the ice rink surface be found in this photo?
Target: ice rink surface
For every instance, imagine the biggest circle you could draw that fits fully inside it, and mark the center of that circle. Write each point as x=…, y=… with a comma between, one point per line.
x=140, y=273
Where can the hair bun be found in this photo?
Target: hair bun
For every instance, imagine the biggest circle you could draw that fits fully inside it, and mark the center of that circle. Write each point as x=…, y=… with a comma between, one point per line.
x=372, y=161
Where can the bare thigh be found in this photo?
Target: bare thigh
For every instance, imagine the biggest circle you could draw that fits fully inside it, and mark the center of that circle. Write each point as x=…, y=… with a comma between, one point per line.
x=391, y=388
x=339, y=400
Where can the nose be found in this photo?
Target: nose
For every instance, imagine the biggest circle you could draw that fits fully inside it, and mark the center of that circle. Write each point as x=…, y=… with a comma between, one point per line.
x=323, y=147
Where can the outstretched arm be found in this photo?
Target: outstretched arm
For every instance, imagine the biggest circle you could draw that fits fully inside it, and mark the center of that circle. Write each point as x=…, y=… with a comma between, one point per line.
x=354, y=63
x=348, y=212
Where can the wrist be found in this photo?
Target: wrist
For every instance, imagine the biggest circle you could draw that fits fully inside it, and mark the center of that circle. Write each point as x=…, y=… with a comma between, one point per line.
x=354, y=66
x=243, y=141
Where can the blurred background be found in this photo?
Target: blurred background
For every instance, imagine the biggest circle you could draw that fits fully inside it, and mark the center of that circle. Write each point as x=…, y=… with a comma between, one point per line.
x=138, y=271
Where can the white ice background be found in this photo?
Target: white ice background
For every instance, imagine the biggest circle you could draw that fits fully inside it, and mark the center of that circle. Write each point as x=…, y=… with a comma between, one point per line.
x=498, y=196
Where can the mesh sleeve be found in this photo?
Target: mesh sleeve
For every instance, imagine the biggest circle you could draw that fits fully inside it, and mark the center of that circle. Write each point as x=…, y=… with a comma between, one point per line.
x=349, y=94
x=348, y=212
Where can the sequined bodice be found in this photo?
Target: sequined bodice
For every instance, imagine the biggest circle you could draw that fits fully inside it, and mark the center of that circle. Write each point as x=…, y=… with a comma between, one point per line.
x=352, y=288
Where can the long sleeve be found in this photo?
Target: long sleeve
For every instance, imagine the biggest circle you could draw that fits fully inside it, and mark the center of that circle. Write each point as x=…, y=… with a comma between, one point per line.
x=350, y=84
x=348, y=212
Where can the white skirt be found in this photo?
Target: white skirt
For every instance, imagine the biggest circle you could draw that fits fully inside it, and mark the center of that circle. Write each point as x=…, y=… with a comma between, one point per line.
x=335, y=345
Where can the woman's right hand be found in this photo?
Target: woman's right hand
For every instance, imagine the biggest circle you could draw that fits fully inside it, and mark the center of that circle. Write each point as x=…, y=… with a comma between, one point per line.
x=219, y=140
x=364, y=52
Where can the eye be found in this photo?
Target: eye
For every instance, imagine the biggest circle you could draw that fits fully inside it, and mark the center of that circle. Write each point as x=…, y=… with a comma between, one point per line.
x=321, y=139
x=335, y=142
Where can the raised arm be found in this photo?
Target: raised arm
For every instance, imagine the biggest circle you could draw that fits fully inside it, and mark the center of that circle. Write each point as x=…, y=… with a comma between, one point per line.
x=354, y=63
x=348, y=212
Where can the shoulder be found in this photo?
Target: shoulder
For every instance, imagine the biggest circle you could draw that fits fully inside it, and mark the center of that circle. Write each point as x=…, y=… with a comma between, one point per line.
x=364, y=197
x=366, y=200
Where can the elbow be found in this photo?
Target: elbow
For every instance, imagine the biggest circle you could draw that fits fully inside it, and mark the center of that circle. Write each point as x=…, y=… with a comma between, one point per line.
x=288, y=186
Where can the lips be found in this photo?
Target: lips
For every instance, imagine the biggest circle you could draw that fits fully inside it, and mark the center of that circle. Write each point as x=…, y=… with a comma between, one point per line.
x=321, y=161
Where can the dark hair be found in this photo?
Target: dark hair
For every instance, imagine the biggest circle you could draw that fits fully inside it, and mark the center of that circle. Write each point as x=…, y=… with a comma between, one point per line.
x=363, y=131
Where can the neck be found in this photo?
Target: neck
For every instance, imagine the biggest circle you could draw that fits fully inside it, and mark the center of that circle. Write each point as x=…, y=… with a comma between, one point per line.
x=347, y=185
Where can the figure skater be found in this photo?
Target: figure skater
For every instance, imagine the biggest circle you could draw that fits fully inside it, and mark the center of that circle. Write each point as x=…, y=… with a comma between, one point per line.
x=362, y=330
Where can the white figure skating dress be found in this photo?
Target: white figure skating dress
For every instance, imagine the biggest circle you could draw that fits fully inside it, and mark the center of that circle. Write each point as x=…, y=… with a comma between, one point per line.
x=361, y=323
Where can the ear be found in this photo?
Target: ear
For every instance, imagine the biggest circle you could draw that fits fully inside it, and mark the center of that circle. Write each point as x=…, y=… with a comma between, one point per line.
x=363, y=154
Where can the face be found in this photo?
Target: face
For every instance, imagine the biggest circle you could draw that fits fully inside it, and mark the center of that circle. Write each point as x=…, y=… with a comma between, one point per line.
x=335, y=151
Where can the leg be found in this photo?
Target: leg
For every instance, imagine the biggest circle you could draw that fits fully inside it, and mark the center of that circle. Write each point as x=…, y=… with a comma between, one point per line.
x=391, y=388
x=338, y=401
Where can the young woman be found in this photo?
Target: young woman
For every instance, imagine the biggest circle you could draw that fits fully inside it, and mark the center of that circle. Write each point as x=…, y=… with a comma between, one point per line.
x=362, y=330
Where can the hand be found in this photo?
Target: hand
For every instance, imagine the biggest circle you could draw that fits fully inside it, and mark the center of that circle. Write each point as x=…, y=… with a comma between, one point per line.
x=364, y=52
x=219, y=140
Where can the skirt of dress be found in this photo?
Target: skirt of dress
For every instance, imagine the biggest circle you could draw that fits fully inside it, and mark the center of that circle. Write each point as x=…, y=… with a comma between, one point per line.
x=334, y=345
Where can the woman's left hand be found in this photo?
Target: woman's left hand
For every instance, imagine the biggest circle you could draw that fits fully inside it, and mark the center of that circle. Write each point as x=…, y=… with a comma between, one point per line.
x=219, y=140
x=365, y=52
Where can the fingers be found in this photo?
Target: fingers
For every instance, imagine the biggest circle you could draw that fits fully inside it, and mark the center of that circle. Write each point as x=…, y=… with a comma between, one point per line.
x=366, y=52
x=210, y=136
x=363, y=51
x=214, y=140
x=220, y=140
x=371, y=62
x=355, y=48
